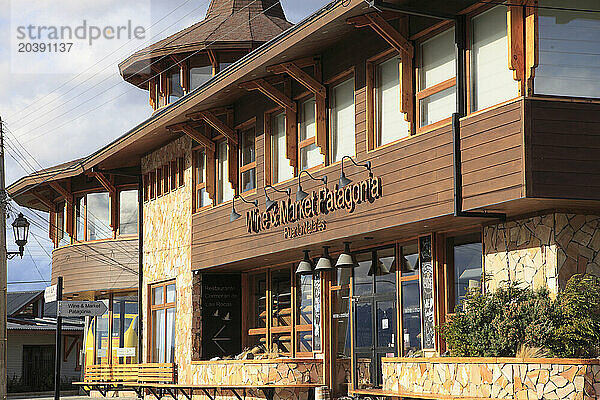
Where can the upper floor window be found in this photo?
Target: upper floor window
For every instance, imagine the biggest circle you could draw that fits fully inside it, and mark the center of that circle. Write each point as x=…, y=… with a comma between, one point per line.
x=98, y=216
x=569, y=49
x=309, y=153
x=201, y=197
x=342, y=120
x=491, y=80
x=200, y=75
x=61, y=224
x=436, y=99
x=248, y=160
x=390, y=124
x=175, y=88
x=128, y=212
x=281, y=169
x=225, y=191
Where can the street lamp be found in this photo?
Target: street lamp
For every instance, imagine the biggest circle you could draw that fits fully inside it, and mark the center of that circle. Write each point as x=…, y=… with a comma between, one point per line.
x=21, y=230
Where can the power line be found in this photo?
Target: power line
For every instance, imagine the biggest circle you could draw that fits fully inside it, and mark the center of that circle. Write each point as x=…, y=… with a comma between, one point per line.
x=24, y=282
x=127, y=91
x=110, y=76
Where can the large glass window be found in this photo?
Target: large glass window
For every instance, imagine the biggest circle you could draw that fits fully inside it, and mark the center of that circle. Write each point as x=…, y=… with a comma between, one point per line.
x=200, y=75
x=61, y=225
x=102, y=336
x=176, y=90
x=201, y=197
x=569, y=49
x=248, y=160
x=257, y=311
x=491, y=80
x=281, y=312
x=80, y=218
x=98, y=216
x=465, y=267
x=390, y=123
x=225, y=191
x=163, y=322
x=437, y=79
x=343, y=136
x=310, y=154
x=281, y=169
x=128, y=212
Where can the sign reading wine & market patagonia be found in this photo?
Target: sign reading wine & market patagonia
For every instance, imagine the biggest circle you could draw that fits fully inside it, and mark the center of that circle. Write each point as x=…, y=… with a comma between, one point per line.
x=305, y=213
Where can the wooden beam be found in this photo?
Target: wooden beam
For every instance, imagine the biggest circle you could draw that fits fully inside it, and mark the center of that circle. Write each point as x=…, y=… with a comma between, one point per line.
x=361, y=21
x=232, y=162
x=65, y=194
x=212, y=56
x=407, y=100
x=304, y=79
x=271, y=92
x=193, y=133
x=45, y=201
x=516, y=43
x=104, y=181
x=390, y=35
x=152, y=91
x=218, y=125
x=531, y=44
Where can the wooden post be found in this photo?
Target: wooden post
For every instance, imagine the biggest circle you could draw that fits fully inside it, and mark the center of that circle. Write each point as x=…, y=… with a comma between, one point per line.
x=3, y=275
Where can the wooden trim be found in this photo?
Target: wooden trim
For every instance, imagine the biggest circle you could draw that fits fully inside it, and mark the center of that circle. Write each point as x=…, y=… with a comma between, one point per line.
x=211, y=175
x=271, y=92
x=438, y=87
x=531, y=44
x=220, y=126
x=247, y=167
x=390, y=35
x=304, y=79
x=341, y=77
x=193, y=133
x=516, y=45
x=432, y=31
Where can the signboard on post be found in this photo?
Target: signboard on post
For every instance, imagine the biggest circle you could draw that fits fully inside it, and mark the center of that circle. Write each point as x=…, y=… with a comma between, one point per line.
x=50, y=293
x=81, y=308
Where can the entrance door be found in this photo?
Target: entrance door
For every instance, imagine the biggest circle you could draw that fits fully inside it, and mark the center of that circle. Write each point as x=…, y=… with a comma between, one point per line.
x=38, y=367
x=374, y=299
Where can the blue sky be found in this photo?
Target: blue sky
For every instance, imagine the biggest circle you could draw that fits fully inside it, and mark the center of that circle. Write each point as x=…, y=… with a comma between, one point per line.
x=61, y=107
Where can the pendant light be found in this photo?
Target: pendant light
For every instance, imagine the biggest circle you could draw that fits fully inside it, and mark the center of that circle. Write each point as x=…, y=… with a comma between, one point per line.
x=305, y=266
x=324, y=263
x=346, y=260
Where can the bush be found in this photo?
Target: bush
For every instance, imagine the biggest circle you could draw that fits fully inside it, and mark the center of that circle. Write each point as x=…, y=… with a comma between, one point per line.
x=498, y=324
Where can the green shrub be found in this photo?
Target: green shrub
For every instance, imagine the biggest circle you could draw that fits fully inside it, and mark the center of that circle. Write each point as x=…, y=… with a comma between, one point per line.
x=498, y=324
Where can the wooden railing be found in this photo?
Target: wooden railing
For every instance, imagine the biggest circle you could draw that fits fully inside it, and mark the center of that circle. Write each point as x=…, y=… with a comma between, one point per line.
x=131, y=373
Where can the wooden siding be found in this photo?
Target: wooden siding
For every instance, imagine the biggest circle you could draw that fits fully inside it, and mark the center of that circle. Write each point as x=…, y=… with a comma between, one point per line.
x=564, y=149
x=102, y=265
x=492, y=156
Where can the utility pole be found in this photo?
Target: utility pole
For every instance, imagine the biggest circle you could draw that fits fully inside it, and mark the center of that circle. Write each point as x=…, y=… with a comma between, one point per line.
x=58, y=359
x=3, y=269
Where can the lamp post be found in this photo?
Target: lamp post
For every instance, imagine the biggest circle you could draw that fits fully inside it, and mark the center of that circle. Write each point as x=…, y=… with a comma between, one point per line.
x=21, y=230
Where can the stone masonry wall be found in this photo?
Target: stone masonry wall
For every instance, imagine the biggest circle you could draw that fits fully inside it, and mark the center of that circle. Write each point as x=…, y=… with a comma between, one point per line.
x=542, y=251
x=167, y=251
x=534, y=379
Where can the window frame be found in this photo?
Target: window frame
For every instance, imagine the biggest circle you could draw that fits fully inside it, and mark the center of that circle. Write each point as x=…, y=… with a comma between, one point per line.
x=225, y=177
x=118, y=211
x=301, y=99
x=166, y=179
x=163, y=306
x=198, y=186
x=242, y=129
x=419, y=94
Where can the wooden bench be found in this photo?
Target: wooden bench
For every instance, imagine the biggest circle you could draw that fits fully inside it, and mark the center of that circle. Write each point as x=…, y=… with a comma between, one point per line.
x=106, y=377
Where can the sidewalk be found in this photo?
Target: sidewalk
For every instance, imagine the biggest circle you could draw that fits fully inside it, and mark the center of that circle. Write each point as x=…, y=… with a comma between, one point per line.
x=69, y=395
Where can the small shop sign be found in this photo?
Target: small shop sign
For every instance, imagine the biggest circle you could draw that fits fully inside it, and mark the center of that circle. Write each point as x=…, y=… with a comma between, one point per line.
x=81, y=308
x=321, y=202
x=126, y=352
x=50, y=293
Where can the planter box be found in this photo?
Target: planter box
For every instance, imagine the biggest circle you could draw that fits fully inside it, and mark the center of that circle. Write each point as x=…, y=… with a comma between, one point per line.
x=281, y=371
x=493, y=378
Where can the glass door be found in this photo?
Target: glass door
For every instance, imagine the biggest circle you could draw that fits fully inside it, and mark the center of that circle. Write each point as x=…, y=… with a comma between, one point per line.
x=374, y=308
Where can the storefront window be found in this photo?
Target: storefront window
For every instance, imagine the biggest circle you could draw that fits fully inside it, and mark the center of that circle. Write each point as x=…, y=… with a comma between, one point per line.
x=248, y=160
x=163, y=322
x=491, y=80
x=128, y=212
x=257, y=312
x=310, y=154
x=437, y=83
x=98, y=216
x=465, y=267
x=225, y=191
x=102, y=336
x=342, y=120
x=340, y=328
x=569, y=49
x=308, y=316
x=281, y=312
x=281, y=169
x=411, y=299
x=124, y=329
x=390, y=124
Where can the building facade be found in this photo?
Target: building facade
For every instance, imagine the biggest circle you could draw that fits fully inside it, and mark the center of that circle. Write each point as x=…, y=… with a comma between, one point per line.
x=424, y=149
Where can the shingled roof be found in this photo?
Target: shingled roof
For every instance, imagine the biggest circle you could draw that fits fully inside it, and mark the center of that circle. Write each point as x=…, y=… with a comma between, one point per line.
x=228, y=24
